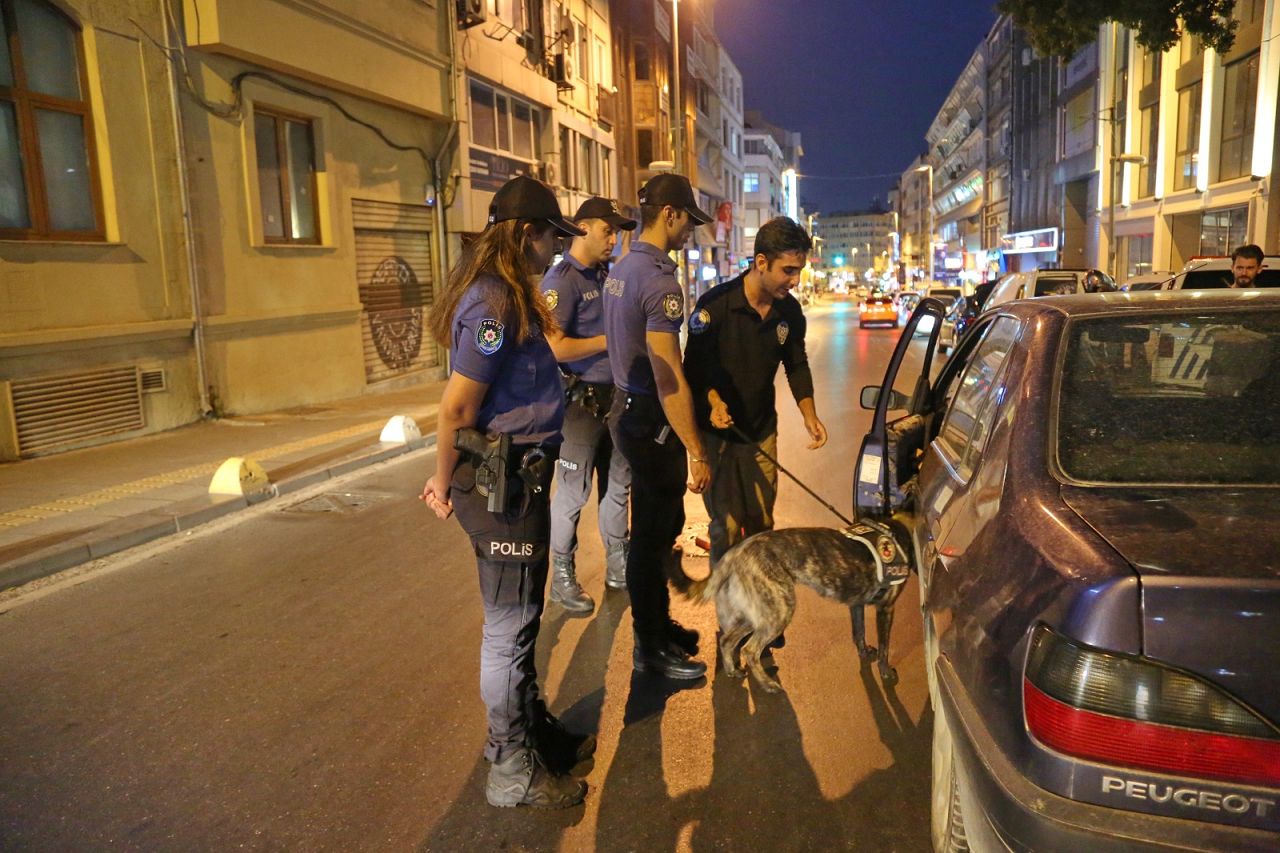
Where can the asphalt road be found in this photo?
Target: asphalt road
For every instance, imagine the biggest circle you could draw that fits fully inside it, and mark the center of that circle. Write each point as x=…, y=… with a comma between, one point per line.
x=297, y=680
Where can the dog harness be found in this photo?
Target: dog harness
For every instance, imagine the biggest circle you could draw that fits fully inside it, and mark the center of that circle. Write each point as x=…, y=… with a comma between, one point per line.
x=892, y=568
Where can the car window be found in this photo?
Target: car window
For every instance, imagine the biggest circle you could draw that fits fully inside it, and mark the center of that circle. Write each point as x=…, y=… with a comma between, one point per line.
x=970, y=401
x=1052, y=285
x=1215, y=279
x=1172, y=399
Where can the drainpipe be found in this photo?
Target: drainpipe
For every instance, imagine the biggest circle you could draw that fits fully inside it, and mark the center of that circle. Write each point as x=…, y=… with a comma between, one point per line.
x=440, y=180
x=184, y=193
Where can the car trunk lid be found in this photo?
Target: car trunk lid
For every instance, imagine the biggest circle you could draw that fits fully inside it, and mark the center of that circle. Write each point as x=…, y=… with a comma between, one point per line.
x=1209, y=563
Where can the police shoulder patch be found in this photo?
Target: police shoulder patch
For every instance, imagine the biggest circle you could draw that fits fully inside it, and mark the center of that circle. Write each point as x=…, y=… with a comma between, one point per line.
x=673, y=306
x=700, y=321
x=489, y=336
x=552, y=298
x=783, y=331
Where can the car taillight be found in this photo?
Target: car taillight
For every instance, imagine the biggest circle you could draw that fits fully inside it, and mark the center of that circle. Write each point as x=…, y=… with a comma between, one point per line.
x=1130, y=711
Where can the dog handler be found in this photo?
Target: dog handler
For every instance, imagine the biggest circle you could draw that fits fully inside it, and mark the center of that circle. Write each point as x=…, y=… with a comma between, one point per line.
x=572, y=292
x=504, y=402
x=652, y=417
x=739, y=333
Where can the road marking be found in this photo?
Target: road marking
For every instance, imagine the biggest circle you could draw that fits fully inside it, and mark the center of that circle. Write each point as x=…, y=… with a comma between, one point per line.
x=62, y=506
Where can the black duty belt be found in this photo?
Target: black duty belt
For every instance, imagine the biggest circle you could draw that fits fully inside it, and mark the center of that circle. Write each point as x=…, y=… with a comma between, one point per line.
x=499, y=461
x=595, y=397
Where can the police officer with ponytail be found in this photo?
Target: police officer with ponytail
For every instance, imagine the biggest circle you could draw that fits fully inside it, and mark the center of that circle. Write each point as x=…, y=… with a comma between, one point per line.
x=497, y=440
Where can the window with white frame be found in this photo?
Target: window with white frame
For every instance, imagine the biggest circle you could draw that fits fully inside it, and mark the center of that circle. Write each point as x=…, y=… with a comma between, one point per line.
x=502, y=122
x=751, y=182
x=1239, y=103
x=584, y=163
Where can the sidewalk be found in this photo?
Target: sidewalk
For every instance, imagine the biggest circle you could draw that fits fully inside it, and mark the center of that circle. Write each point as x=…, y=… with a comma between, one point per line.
x=60, y=511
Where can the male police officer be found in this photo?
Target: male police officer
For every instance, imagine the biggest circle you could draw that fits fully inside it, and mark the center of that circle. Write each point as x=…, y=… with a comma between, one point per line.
x=572, y=291
x=739, y=333
x=643, y=310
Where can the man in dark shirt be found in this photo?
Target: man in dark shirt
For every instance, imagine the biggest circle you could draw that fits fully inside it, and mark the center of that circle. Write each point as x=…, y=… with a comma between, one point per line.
x=739, y=333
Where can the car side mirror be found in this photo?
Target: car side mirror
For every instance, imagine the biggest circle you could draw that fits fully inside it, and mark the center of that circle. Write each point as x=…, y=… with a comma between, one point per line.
x=871, y=396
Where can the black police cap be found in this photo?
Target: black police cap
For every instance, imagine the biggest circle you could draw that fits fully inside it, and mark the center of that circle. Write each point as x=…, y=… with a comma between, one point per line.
x=673, y=190
x=524, y=197
x=606, y=209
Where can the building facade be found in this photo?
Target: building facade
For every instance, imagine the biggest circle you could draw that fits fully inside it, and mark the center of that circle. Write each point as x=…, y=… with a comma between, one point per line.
x=857, y=245
x=957, y=152
x=1205, y=126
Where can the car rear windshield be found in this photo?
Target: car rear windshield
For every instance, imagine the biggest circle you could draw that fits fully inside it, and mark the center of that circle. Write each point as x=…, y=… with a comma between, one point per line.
x=1172, y=399
x=1214, y=279
x=880, y=300
x=1054, y=285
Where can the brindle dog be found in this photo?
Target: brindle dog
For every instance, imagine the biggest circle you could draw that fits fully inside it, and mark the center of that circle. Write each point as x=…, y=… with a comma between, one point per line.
x=754, y=587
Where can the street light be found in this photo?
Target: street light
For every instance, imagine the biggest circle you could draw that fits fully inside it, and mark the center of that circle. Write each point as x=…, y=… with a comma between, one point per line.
x=1117, y=160
x=928, y=167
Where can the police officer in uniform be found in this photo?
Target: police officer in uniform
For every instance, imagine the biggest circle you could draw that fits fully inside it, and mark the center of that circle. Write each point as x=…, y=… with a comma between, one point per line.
x=571, y=289
x=652, y=417
x=498, y=433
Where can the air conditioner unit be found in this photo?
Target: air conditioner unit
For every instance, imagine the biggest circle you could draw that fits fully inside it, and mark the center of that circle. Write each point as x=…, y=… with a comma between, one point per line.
x=562, y=70
x=471, y=13
x=547, y=172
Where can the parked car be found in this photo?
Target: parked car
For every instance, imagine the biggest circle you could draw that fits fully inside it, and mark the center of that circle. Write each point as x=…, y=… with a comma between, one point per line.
x=1148, y=281
x=877, y=310
x=953, y=323
x=1025, y=285
x=907, y=302
x=1215, y=273
x=928, y=322
x=1091, y=490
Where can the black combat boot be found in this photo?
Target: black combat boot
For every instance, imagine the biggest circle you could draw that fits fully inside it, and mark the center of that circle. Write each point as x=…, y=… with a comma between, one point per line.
x=561, y=749
x=522, y=779
x=660, y=656
x=565, y=589
x=615, y=562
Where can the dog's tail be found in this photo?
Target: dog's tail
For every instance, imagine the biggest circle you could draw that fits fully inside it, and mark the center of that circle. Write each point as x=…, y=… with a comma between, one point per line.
x=702, y=590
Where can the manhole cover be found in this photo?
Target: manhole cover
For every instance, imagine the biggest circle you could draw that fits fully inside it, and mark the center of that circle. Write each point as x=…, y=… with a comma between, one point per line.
x=345, y=502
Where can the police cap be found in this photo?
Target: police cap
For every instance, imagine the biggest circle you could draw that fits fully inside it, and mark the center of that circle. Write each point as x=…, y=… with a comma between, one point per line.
x=606, y=209
x=524, y=197
x=674, y=190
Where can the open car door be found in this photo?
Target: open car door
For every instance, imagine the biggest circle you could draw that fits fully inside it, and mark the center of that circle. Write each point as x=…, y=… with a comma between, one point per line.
x=885, y=470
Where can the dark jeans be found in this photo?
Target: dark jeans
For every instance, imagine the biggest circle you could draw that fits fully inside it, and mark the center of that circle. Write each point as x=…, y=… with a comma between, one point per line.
x=511, y=559
x=658, y=475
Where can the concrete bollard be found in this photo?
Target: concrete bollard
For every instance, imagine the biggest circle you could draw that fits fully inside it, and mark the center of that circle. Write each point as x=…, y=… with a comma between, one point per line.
x=239, y=476
x=401, y=429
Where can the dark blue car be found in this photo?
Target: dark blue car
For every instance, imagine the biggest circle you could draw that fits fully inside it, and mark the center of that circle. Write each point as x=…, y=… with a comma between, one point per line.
x=1092, y=488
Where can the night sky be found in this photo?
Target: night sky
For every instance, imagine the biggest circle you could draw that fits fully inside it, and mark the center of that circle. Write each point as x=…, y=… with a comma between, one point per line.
x=860, y=79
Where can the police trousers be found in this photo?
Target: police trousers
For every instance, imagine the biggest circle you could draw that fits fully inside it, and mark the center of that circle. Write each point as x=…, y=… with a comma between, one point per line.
x=743, y=490
x=511, y=558
x=659, y=471
x=588, y=453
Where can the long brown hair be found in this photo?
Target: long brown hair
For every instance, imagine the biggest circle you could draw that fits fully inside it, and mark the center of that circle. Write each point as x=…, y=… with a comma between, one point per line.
x=501, y=250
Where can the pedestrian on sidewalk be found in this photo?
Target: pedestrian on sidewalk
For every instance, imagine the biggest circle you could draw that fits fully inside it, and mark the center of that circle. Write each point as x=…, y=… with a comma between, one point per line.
x=571, y=289
x=652, y=417
x=739, y=333
x=505, y=399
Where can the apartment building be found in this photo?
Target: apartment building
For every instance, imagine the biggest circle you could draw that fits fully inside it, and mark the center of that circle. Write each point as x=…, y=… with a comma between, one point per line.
x=1205, y=127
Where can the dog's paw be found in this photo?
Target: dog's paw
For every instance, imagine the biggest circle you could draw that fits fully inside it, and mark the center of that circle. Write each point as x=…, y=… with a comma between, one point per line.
x=868, y=653
x=768, y=685
x=889, y=676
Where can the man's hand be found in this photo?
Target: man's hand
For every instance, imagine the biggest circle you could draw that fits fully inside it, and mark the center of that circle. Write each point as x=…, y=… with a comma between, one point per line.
x=699, y=476
x=435, y=494
x=817, y=432
x=720, y=417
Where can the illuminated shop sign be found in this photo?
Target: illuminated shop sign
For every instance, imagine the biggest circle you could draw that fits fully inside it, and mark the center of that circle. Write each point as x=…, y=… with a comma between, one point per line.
x=1040, y=240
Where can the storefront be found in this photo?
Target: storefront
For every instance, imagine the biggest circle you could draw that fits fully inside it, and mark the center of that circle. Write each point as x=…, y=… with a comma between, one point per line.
x=1029, y=250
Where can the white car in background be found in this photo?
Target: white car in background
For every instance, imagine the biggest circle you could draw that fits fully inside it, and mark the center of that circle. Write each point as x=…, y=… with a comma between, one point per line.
x=1025, y=285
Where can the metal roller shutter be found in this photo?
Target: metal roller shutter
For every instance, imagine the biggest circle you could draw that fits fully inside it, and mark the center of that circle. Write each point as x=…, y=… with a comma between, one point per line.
x=393, y=270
